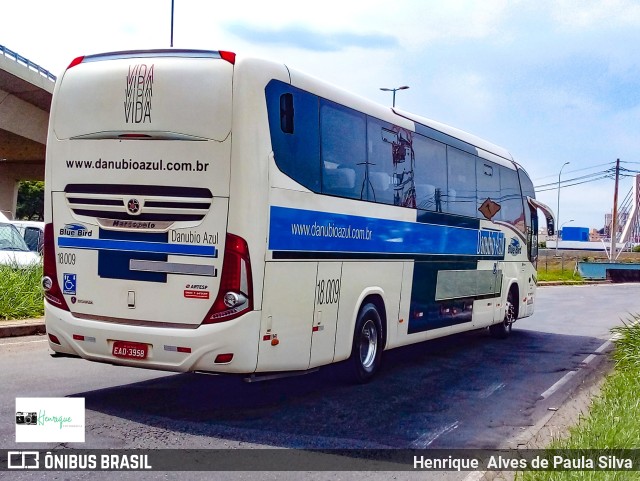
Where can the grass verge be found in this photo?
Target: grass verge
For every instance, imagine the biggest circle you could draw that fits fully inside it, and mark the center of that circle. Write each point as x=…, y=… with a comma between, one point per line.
x=20, y=292
x=558, y=275
x=613, y=421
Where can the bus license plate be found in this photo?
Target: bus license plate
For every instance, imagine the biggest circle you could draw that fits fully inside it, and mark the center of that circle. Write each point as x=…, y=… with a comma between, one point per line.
x=130, y=350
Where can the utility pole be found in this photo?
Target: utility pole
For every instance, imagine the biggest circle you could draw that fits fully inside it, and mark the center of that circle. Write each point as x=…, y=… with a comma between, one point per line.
x=171, y=24
x=614, y=220
x=558, y=209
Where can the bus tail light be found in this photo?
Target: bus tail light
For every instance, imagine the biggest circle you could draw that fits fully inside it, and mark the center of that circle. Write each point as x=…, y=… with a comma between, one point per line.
x=75, y=61
x=52, y=292
x=235, y=295
x=228, y=56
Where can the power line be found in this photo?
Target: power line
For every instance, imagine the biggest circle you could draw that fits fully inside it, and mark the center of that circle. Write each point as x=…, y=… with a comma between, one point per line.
x=579, y=170
x=607, y=176
x=566, y=181
x=554, y=185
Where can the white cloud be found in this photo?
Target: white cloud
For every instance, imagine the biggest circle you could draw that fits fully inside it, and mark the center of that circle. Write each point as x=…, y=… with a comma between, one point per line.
x=463, y=94
x=582, y=14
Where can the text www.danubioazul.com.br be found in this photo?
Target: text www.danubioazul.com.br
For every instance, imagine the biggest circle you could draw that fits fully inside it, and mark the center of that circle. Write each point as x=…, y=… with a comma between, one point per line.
x=129, y=164
x=331, y=231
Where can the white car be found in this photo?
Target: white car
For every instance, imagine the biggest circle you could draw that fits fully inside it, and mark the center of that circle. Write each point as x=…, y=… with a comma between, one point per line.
x=13, y=249
x=32, y=232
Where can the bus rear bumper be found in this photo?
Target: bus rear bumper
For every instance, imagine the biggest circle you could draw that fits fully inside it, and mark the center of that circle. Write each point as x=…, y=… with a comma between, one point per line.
x=168, y=349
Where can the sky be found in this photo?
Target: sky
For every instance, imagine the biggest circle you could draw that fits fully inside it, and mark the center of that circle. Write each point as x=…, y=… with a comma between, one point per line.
x=552, y=81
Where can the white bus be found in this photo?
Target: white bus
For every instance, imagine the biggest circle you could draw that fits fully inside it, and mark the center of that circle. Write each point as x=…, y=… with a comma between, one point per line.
x=207, y=212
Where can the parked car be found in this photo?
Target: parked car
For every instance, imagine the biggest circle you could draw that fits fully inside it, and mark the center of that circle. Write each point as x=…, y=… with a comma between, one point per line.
x=13, y=249
x=32, y=232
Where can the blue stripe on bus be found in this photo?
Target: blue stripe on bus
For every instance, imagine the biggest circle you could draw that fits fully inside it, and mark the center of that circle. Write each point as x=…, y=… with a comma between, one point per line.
x=312, y=231
x=137, y=246
x=115, y=264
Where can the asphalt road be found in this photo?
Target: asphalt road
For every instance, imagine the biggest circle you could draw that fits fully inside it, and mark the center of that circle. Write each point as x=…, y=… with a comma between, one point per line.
x=464, y=391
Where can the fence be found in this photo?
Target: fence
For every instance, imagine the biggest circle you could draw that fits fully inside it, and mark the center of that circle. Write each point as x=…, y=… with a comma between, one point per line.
x=548, y=261
x=27, y=63
x=584, y=262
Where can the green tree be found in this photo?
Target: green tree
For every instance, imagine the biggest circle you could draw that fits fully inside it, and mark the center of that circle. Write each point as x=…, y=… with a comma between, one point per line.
x=30, y=200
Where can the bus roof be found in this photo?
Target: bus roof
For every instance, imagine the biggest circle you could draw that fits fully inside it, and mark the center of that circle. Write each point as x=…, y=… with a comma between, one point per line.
x=459, y=134
x=474, y=144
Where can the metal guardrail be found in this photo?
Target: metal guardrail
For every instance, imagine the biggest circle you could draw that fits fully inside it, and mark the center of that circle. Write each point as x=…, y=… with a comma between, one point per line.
x=27, y=63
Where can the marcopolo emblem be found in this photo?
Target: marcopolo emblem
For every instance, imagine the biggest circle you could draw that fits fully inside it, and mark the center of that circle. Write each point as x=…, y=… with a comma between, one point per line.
x=133, y=206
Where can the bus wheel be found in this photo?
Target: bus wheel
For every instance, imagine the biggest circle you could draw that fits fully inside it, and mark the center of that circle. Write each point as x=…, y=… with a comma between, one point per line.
x=502, y=330
x=366, y=354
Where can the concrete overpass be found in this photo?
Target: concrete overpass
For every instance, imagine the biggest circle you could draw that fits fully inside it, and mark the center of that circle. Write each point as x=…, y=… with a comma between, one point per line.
x=25, y=100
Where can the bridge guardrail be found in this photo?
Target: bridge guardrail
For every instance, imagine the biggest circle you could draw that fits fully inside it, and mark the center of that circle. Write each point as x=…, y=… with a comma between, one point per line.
x=27, y=63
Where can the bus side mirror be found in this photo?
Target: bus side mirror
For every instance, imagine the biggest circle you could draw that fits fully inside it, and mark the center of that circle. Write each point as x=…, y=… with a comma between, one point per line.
x=551, y=228
x=548, y=213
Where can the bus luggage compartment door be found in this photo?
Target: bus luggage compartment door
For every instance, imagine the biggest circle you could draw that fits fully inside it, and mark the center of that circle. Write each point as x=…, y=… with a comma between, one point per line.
x=325, y=315
x=287, y=316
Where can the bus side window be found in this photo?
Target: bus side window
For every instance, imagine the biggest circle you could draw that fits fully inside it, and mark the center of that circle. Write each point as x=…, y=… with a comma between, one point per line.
x=488, y=188
x=344, y=151
x=511, y=202
x=296, y=154
x=286, y=113
x=431, y=174
x=381, y=174
x=461, y=189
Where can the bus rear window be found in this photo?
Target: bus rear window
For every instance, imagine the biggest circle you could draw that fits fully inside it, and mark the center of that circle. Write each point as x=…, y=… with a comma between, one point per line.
x=188, y=96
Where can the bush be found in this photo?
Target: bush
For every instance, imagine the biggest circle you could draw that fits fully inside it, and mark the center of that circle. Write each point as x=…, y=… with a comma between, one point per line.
x=20, y=292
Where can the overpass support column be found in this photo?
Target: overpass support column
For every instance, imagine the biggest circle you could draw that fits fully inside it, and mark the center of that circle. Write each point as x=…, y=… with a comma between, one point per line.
x=8, y=190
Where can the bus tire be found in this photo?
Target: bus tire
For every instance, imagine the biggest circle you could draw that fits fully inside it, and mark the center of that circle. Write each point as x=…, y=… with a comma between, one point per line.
x=366, y=354
x=503, y=329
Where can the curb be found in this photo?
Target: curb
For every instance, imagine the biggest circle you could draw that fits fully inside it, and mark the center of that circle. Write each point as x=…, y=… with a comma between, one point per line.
x=572, y=283
x=25, y=327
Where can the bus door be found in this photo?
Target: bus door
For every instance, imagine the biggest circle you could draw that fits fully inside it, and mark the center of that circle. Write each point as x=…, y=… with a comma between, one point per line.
x=498, y=279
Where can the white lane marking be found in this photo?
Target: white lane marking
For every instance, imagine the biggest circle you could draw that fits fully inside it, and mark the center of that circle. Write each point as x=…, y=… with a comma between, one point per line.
x=564, y=379
x=427, y=438
x=485, y=393
x=591, y=357
x=478, y=475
